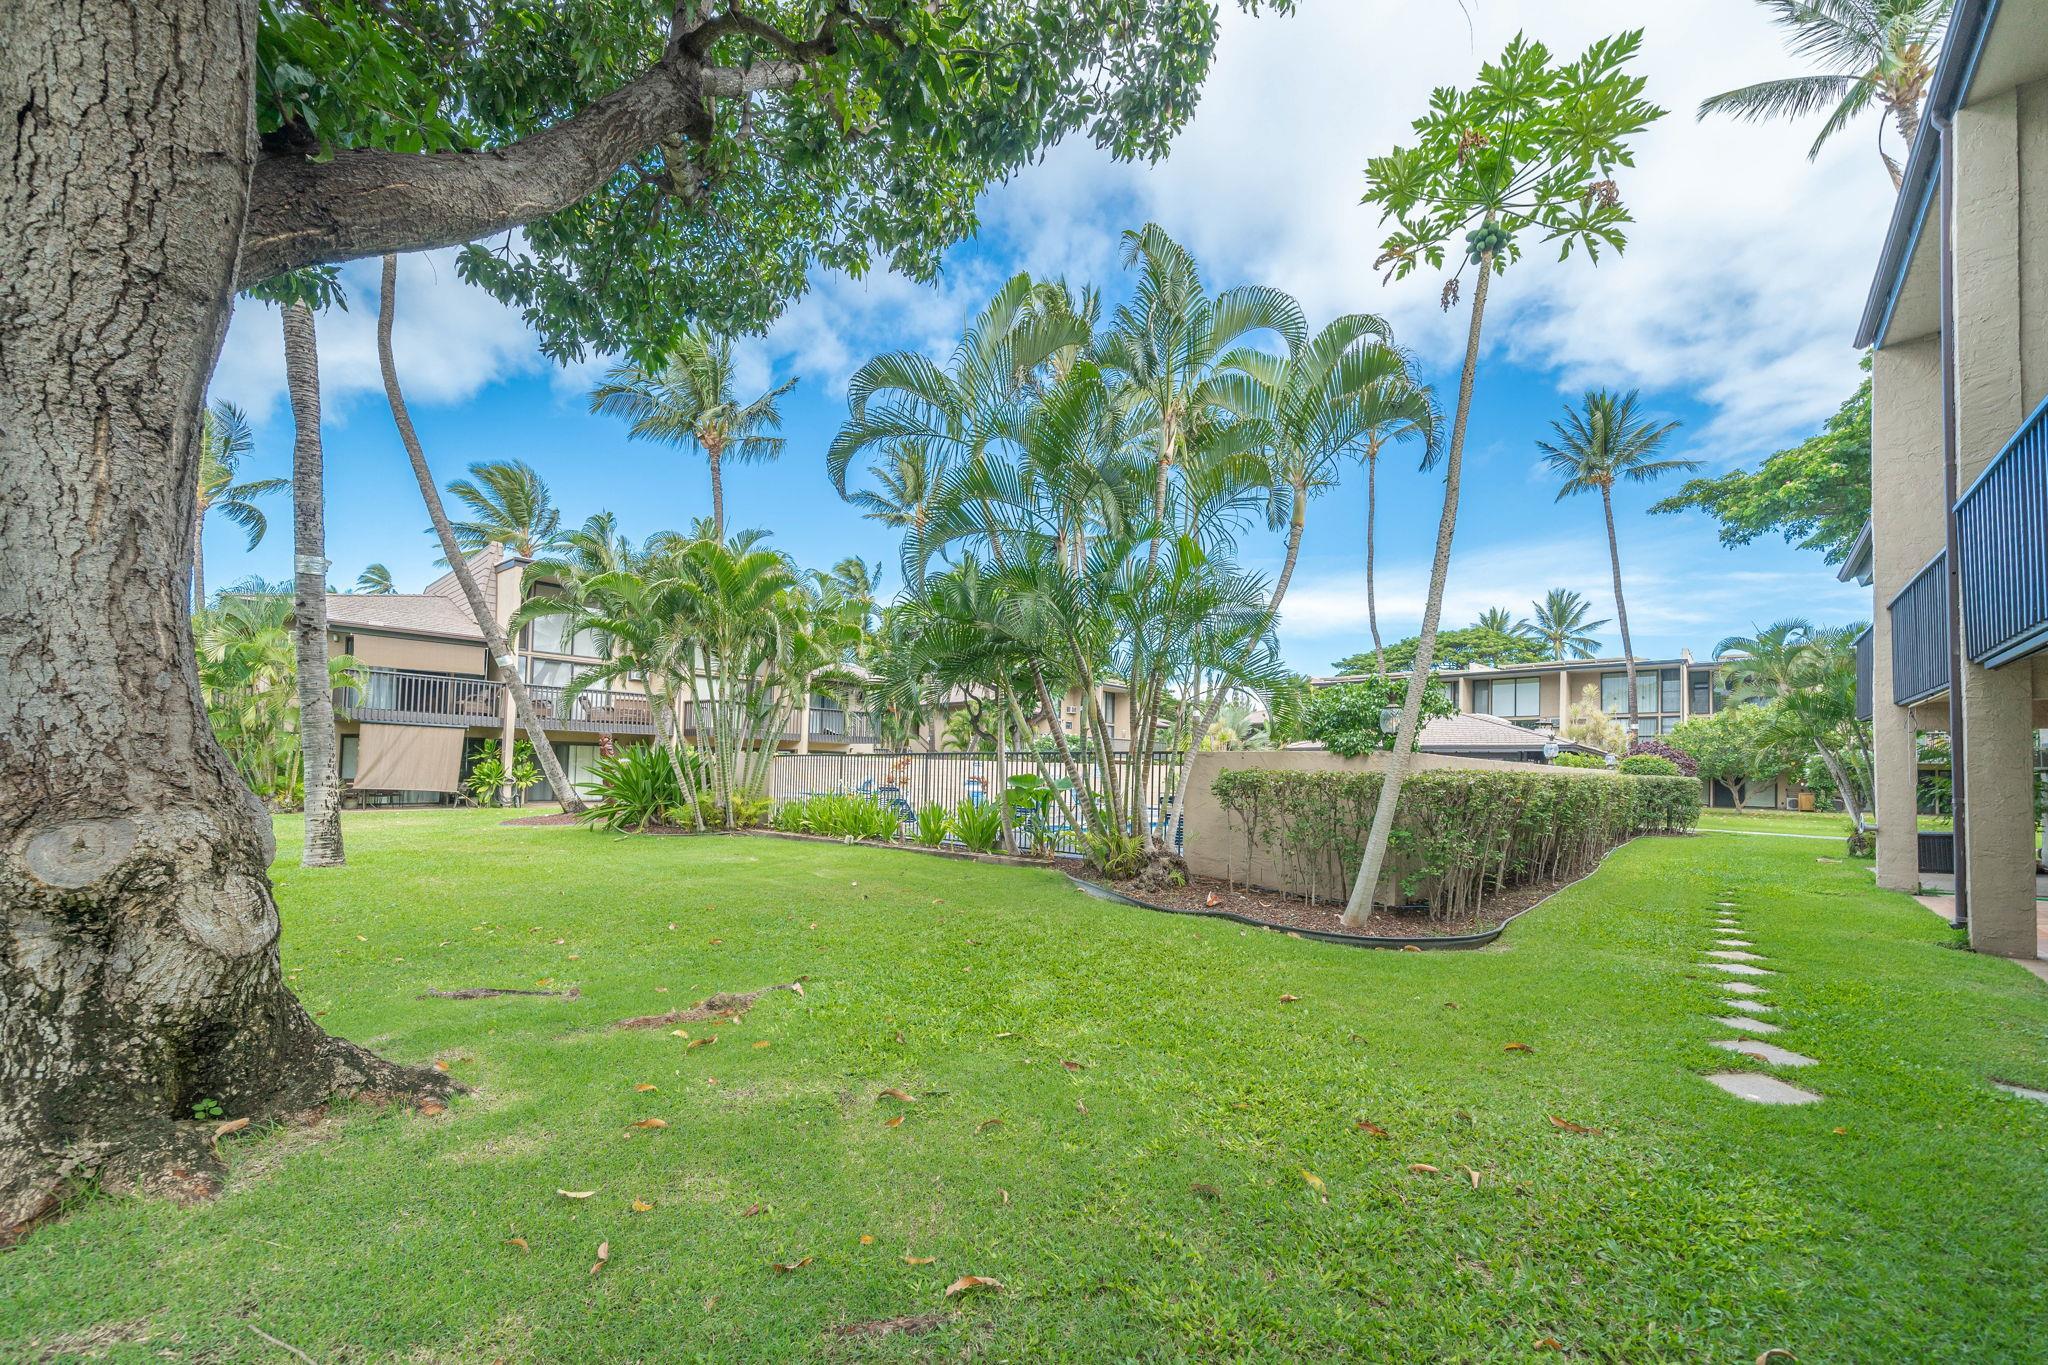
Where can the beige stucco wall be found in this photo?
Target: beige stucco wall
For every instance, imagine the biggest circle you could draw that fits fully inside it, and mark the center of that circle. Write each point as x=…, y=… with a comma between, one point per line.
x=430, y=656
x=1214, y=848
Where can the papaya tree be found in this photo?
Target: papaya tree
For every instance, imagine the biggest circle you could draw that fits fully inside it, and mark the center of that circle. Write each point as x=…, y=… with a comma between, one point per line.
x=607, y=166
x=1523, y=158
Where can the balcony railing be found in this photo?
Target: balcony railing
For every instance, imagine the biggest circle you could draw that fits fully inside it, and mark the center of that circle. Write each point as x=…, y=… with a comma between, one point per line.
x=835, y=726
x=403, y=697
x=2002, y=549
x=1866, y=663
x=1920, y=634
x=593, y=711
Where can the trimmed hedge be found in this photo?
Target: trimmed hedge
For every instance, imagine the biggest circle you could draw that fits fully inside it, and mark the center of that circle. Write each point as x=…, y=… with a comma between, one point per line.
x=1459, y=833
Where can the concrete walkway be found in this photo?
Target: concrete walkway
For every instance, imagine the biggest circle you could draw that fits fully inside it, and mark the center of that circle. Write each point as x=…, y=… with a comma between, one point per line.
x=1945, y=906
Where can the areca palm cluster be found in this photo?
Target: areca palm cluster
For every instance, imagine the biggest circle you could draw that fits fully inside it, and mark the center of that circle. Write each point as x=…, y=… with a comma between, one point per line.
x=731, y=629
x=1081, y=492
x=1806, y=676
x=248, y=676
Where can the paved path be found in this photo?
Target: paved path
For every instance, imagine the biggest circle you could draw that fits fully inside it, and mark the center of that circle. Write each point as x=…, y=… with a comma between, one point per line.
x=1731, y=956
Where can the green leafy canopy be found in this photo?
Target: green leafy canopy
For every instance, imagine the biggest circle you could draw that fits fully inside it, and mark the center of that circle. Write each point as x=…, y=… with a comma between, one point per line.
x=1533, y=144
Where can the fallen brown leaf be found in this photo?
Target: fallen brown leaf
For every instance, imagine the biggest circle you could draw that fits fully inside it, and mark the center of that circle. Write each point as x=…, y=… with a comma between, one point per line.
x=1212, y=900
x=519, y=1242
x=784, y=1267
x=1549, y=1344
x=440, y=1066
x=1571, y=1127
x=1422, y=1168
x=909, y=1259
x=762, y=1043
x=643, y=1087
x=750, y=1210
x=896, y=1122
x=1315, y=1182
x=641, y=1206
x=1072, y=1066
x=575, y=1194
x=1080, y=1108
x=1775, y=1353
x=1475, y=1177
x=867, y=1239
x=432, y=1108
x=1518, y=1047
x=221, y=1130
x=705, y=1041
x=604, y=1253
x=1289, y=999
x=967, y=1282
x=892, y=1093
x=1368, y=1126
x=797, y=986
x=1205, y=1191
x=1006, y=1197
x=650, y=1123
x=987, y=1124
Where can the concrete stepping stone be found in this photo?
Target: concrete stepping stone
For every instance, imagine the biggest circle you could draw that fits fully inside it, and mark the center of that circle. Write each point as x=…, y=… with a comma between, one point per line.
x=1734, y=955
x=1725, y=905
x=1739, y=969
x=1741, y=987
x=1733, y=943
x=1747, y=1006
x=1737, y=1021
x=1750, y=1085
x=2038, y=1096
x=1766, y=1052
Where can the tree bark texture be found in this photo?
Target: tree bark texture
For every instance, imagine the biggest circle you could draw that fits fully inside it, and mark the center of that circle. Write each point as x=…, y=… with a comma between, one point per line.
x=1628, y=653
x=1359, y=908
x=138, y=935
x=430, y=493
x=322, y=778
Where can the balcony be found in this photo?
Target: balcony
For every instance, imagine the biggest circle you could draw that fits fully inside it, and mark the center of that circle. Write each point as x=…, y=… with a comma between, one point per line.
x=1920, y=635
x=1866, y=664
x=2002, y=550
x=398, y=696
x=830, y=725
x=593, y=711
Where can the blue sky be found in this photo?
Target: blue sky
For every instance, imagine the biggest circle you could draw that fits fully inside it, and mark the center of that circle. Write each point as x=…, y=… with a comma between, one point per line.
x=1732, y=311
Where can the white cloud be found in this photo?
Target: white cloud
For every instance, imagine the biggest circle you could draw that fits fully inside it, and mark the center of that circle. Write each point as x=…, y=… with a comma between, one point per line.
x=450, y=340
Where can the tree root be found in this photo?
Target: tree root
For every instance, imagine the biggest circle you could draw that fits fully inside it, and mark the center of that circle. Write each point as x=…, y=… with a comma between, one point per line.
x=490, y=992
x=724, y=1005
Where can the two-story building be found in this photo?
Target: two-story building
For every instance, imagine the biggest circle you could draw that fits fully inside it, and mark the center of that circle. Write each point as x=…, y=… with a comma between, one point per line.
x=433, y=696
x=1957, y=549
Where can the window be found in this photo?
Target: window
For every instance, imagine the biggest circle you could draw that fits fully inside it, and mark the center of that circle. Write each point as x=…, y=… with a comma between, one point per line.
x=548, y=672
x=546, y=635
x=1654, y=689
x=1702, y=691
x=1667, y=700
x=346, y=763
x=1614, y=693
x=1109, y=708
x=1509, y=697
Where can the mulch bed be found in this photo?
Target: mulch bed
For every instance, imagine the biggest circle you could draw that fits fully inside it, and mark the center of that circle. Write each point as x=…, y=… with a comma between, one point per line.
x=1207, y=896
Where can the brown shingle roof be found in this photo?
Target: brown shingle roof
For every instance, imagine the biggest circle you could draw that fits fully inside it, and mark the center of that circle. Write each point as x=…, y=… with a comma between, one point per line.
x=405, y=613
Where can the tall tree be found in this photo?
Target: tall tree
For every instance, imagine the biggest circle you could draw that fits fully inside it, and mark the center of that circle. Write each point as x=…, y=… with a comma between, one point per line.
x=1531, y=147
x=480, y=609
x=510, y=505
x=1560, y=625
x=1396, y=412
x=375, y=581
x=1499, y=620
x=1816, y=494
x=225, y=440
x=902, y=500
x=692, y=401
x=1876, y=52
x=1598, y=443
x=677, y=160
x=1808, y=673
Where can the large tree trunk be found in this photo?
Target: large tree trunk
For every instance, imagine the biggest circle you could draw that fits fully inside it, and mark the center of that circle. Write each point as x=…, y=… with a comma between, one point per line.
x=1628, y=653
x=138, y=936
x=309, y=593
x=430, y=493
x=1359, y=908
x=1372, y=616
x=711, y=453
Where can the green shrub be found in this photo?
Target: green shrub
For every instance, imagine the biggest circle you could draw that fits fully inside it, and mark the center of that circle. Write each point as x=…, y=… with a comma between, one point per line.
x=1346, y=718
x=1649, y=765
x=1578, y=761
x=638, y=786
x=1458, y=833
x=980, y=828
x=839, y=815
x=931, y=825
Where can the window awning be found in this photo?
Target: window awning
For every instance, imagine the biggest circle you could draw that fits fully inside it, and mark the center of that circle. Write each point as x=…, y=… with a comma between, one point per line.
x=409, y=758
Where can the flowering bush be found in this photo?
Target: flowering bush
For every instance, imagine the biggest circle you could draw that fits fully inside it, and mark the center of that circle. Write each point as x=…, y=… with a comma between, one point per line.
x=1679, y=758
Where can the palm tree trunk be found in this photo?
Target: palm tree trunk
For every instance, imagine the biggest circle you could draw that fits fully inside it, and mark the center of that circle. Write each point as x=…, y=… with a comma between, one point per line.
x=199, y=560
x=1359, y=907
x=1628, y=653
x=309, y=593
x=486, y=619
x=1372, y=498
x=1906, y=118
x=711, y=453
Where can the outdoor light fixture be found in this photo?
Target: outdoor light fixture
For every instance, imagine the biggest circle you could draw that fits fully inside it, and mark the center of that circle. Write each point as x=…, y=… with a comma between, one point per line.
x=1550, y=749
x=1390, y=719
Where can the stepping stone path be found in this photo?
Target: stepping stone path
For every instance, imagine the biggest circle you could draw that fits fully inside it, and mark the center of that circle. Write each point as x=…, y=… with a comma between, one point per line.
x=2039, y=1096
x=1732, y=956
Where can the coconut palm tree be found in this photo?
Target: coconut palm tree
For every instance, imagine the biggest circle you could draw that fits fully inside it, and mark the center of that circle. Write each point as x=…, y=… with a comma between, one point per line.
x=1164, y=349
x=1499, y=620
x=225, y=440
x=510, y=505
x=1395, y=412
x=691, y=401
x=458, y=564
x=903, y=500
x=1810, y=673
x=375, y=581
x=1875, y=52
x=321, y=763
x=1598, y=443
x=1560, y=625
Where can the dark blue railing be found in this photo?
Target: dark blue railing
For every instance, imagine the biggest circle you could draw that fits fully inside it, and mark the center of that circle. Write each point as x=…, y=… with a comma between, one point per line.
x=1920, y=634
x=2002, y=549
x=1866, y=663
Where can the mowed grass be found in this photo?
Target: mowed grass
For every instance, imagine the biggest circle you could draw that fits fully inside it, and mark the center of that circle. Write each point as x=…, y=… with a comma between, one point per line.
x=1151, y=1201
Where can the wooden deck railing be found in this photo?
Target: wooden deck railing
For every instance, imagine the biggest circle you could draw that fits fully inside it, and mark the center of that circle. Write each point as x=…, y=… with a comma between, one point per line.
x=402, y=696
x=593, y=711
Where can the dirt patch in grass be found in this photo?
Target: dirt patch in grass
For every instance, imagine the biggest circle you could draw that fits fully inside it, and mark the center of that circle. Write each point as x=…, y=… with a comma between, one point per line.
x=90, y=1344
x=1297, y=914
x=724, y=1005
x=912, y=1325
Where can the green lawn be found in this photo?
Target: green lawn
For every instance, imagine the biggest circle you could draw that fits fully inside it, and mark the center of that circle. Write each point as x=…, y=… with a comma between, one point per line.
x=1151, y=1204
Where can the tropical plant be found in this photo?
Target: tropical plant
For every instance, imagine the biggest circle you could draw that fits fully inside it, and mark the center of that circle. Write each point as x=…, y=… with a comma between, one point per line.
x=1877, y=52
x=1571, y=760
x=1396, y=412
x=1809, y=674
x=490, y=774
x=248, y=678
x=480, y=611
x=1738, y=746
x=1816, y=494
x=1648, y=765
x=841, y=815
x=638, y=785
x=692, y=400
x=225, y=440
x=905, y=477
x=1587, y=722
x=510, y=505
x=1530, y=148
x=1560, y=625
x=979, y=826
x=1671, y=753
x=1348, y=719
x=1499, y=620
x=375, y=580
x=1598, y=444
x=933, y=822
x=1473, y=645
